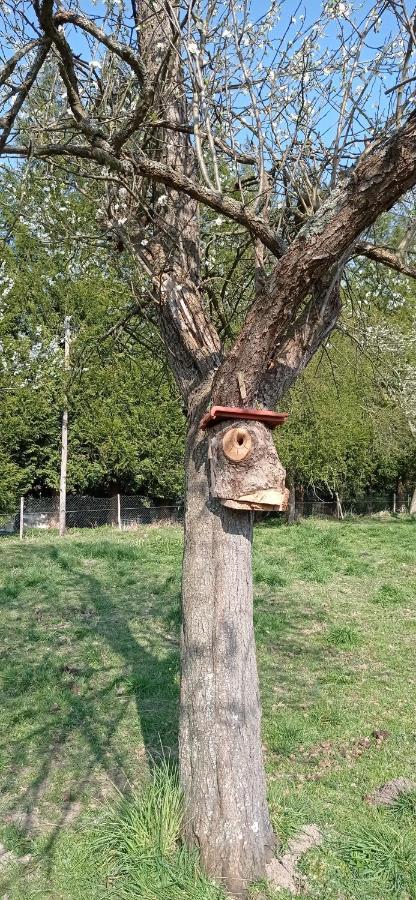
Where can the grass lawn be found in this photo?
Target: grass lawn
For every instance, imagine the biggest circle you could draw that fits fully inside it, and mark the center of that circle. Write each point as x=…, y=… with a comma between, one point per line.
x=89, y=692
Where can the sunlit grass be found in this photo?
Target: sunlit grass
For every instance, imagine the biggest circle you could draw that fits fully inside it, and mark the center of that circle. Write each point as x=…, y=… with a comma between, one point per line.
x=140, y=840
x=379, y=858
x=89, y=632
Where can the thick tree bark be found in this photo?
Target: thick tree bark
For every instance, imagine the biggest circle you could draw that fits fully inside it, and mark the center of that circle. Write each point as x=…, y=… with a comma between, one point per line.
x=317, y=255
x=221, y=761
x=413, y=504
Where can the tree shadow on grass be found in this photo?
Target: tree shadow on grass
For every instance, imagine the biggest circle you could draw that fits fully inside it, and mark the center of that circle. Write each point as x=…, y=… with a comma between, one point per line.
x=104, y=638
x=71, y=706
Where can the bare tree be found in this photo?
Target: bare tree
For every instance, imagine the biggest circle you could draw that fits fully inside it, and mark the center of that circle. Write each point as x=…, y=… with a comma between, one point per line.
x=299, y=133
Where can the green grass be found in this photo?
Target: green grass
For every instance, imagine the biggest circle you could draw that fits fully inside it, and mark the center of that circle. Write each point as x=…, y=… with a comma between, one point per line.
x=378, y=859
x=140, y=841
x=89, y=699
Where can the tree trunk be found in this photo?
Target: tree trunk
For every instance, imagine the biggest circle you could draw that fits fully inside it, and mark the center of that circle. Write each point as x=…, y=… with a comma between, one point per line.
x=413, y=504
x=221, y=761
x=291, y=516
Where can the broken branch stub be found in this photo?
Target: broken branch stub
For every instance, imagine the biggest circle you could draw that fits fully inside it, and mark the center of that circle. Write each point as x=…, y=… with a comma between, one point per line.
x=246, y=472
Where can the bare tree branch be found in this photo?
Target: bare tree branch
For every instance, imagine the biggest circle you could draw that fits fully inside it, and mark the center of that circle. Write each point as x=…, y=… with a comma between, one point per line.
x=66, y=69
x=123, y=51
x=166, y=175
x=386, y=256
x=381, y=176
x=400, y=84
x=14, y=60
x=262, y=96
x=244, y=159
x=7, y=122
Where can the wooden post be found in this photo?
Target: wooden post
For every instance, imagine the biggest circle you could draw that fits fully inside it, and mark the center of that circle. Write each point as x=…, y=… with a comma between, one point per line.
x=21, y=522
x=340, y=514
x=401, y=497
x=119, y=512
x=64, y=438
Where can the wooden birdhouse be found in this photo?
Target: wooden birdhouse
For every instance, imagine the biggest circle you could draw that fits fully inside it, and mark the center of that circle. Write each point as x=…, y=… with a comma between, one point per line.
x=245, y=470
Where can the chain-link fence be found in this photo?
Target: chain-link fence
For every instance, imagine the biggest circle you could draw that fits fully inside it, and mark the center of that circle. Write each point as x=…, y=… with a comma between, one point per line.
x=365, y=506
x=119, y=511
x=9, y=522
x=129, y=511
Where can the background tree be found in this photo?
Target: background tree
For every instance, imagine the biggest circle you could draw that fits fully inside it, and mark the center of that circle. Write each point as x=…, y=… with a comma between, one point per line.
x=344, y=437
x=153, y=95
x=382, y=320
x=126, y=425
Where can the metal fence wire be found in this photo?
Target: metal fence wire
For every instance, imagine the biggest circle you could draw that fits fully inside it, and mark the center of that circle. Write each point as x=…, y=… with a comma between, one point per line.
x=83, y=511
x=130, y=511
x=365, y=506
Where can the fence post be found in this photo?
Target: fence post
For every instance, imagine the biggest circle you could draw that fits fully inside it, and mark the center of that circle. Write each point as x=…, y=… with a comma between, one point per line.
x=64, y=434
x=21, y=522
x=119, y=512
x=394, y=502
x=340, y=514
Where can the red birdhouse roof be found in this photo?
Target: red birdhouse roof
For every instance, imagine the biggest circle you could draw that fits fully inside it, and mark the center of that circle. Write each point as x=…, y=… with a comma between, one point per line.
x=267, y=416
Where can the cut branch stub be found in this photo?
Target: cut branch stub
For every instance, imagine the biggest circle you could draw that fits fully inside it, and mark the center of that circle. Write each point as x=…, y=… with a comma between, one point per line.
x=245, y=470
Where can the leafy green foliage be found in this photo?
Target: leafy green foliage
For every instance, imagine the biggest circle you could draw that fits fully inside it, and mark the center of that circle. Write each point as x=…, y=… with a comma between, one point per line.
x=125, y=423
x=343, y=435
x=13, y=480
x=350, y=429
